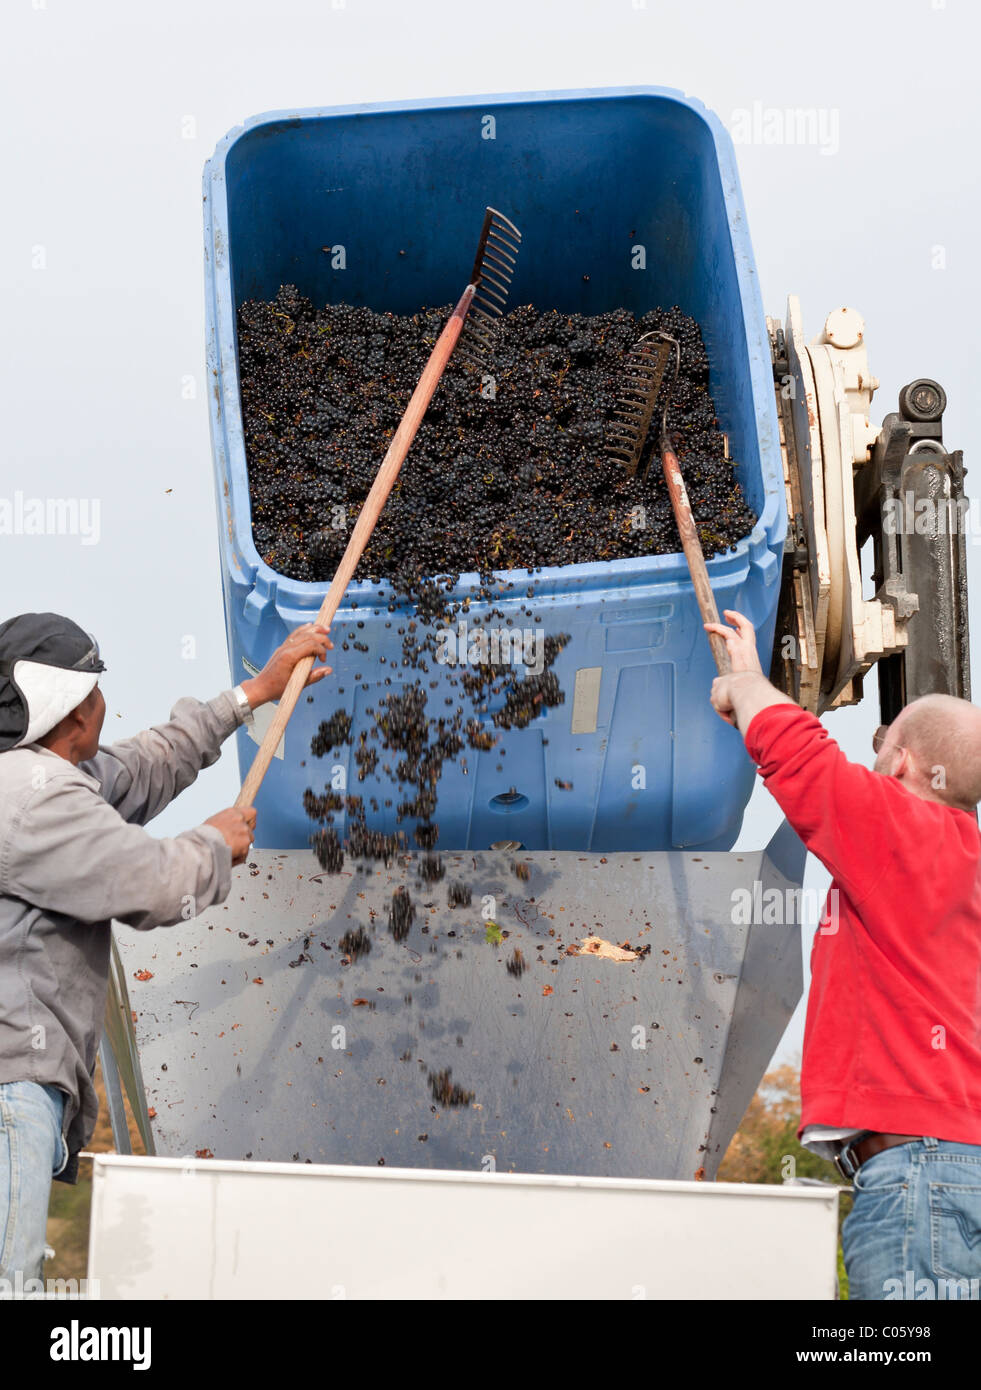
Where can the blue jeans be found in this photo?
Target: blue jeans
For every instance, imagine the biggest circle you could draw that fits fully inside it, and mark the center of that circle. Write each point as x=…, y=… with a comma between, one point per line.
x=914, y=1231
x=32, y=1150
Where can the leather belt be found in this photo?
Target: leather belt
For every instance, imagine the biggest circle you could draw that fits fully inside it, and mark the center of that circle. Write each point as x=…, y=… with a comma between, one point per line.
x=852, y=1155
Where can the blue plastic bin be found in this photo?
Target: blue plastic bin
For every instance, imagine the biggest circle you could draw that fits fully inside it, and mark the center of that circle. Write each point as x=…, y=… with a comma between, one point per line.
x=587, y=176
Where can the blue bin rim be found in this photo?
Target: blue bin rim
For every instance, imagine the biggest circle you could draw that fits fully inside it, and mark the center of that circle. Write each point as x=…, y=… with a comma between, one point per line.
x=769, y=532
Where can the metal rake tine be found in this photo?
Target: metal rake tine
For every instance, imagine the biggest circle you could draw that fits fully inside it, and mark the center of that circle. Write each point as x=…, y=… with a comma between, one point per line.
x=500, y=261
x=503, y=236
x=501, y=251
x=490, y=276
x=497, y=263
x=669, y=342
x=493, y=268
x=475, y=347
x=643, y=376
x=504, y=228
x=492, y=284
x=485, y=296
x=486, y=316
x=497, y=260
x=480, y=329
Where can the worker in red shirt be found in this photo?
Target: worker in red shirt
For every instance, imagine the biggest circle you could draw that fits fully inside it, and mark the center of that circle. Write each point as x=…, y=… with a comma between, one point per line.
x=891, y=1068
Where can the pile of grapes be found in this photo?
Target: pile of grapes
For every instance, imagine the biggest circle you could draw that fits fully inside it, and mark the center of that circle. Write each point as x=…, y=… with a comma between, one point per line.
x=507, y=470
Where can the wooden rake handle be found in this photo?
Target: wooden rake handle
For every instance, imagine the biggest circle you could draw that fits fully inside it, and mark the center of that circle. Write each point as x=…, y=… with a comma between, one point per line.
x=693, y=554
x=367, y=519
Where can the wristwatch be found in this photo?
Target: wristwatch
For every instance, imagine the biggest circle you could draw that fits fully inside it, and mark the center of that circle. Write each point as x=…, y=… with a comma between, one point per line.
x=245, y=709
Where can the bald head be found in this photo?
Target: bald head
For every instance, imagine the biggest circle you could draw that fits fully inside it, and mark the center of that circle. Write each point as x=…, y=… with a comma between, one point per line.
x=934, y=747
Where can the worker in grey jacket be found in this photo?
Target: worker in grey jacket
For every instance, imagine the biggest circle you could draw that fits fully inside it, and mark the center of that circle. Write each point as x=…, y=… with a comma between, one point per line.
x=73, y=856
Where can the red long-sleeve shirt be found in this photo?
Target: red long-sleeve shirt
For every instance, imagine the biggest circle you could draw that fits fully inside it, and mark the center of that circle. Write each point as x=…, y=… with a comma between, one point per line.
x=892, y=1039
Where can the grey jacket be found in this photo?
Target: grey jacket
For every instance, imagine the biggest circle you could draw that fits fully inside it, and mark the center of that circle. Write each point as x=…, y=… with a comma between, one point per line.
x=72, y=858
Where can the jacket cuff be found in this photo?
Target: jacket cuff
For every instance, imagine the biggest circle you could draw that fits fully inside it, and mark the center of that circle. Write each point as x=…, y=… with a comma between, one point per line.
x=226, y=708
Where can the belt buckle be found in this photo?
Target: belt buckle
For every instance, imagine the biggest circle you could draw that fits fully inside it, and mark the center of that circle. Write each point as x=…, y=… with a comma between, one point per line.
x=844, y=1162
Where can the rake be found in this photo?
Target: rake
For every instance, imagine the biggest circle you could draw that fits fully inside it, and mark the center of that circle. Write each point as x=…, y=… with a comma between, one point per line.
x=484, y=300
x=643, y=376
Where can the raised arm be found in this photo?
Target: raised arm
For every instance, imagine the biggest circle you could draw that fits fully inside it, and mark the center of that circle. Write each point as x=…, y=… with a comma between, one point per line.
x=836, y=806
x=140, y=776
x=829, y=801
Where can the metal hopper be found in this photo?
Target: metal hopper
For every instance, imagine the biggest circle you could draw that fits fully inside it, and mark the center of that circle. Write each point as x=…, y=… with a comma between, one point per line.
x=490, y=1037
